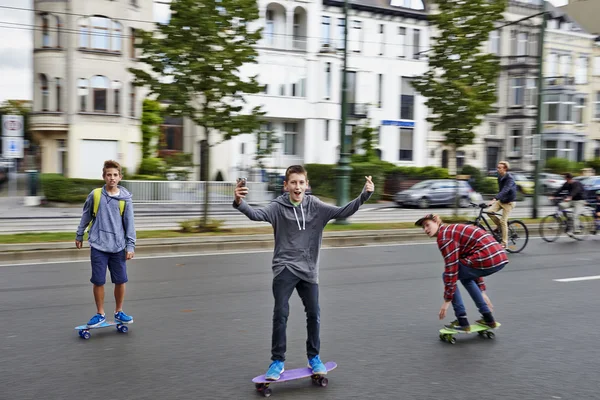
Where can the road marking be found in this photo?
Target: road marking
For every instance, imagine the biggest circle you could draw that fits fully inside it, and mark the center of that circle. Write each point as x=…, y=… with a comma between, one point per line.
x=581, y=278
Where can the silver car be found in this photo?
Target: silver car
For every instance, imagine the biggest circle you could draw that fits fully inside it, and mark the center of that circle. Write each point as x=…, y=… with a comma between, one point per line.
x=435, y=192
x=550, y=183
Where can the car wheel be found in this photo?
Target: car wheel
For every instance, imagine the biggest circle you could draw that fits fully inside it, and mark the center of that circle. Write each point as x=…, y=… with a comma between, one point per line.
x=463, y=202
x=423, y=203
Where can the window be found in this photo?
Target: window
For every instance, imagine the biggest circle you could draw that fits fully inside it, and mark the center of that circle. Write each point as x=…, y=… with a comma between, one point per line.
x=172, y=134
x=551, y=65
x=132, y=52
x=350, y=86
x=269, y=28
x=517, y=91
x=516, y=139
x=82, y=94
x=416, y=44
x=579, y=109
x=533, y=44
x=531, y=92
x=596, y=66
x=116, y=87
x=552, y=104
x=401, y=42
x=46, y=42
x=406, y=145
x=379, y=90
x=45, y=91
x=99, y=93
x=298, y=88
x=289, y=138
x=100, y=33
x=326, y=130
x=265, y=134
x=581, y=71
x=580, y=152
x=327, y=81
x=460, y=162
x=564, y=65
x=382, y=39
x=493, y=129
x=522, y=44
x=58, y=31
x=495, y=42
x=116, y=38
x=597, y=106
x=407, y=99
x=341, y=29
x=131, y=100
x=356, y=36
x=550, y=149
x=326, y=30
x=58, y=94
x=84, y=33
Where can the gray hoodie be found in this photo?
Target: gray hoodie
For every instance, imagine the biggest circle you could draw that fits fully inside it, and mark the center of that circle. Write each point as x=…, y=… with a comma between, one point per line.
x=109, y=233
x=298, y=230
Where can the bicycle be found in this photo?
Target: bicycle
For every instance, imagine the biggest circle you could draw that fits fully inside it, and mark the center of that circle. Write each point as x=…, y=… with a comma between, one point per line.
x=518, y=233
x=554, y=224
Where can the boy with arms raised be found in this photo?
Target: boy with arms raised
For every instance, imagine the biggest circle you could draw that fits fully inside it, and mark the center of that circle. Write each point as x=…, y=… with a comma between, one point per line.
x=112, y=239
x=298, y=222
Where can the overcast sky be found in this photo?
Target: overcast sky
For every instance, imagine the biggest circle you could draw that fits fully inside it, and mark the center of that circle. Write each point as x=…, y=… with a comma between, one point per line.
x=16, y=73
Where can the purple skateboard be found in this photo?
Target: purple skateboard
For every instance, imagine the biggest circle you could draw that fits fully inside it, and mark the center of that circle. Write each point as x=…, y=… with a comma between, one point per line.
x=262, y=385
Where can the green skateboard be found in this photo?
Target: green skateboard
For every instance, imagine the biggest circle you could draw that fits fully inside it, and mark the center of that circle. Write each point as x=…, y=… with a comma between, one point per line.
x=447, y=334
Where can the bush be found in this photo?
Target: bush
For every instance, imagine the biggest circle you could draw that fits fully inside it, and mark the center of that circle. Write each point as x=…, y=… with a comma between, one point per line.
x=489, y=185
x=476, y=179
x=152, y=166
x=57, y=188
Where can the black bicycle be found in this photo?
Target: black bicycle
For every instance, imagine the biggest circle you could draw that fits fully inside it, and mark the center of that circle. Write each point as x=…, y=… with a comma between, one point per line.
x=561, y=221
x=518, y=233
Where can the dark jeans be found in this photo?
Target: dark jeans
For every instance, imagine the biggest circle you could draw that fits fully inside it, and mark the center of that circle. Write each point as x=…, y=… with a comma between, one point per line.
x=467, y=277
x=283, y=286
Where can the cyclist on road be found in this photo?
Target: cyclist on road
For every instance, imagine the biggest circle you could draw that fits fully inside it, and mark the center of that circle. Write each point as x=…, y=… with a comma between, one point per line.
x=505, y=200
x=575, y=198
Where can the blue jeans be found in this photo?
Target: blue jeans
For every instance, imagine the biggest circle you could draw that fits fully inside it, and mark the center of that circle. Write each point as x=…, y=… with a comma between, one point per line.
x=467, y=277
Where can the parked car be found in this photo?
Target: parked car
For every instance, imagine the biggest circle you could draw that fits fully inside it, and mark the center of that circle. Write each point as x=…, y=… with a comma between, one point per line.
x=524, y=185
x=436, y=192
x=550, y=183
x=590, y=185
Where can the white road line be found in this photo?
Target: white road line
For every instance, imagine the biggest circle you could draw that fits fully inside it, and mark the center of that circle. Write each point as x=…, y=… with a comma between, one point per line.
x=581, y=278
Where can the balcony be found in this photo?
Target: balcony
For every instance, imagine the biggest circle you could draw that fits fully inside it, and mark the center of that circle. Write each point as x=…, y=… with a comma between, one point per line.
x=358, y=110
x=557, y=82
x=520, y=62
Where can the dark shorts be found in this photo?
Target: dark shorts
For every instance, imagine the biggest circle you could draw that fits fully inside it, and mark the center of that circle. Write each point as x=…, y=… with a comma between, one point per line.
x=116, y=265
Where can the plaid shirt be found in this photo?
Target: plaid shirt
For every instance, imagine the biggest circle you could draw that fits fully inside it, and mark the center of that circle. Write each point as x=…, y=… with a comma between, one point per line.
x=473, y=247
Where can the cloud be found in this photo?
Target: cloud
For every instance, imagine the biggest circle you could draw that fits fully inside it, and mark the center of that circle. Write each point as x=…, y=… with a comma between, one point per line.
x=16, y=70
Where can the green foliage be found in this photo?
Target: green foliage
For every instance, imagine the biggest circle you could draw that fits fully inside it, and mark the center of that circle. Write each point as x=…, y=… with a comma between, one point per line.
x=477, y=179
x=363, y=137
x=198, y=226
x=265, y=143
x=420, y=172
x=179, y=164
x=559, y=165
x=489, y=185
x=594, y=163
x=57, y=188
x=460, y=84
x=151, y=119
x=152, y=166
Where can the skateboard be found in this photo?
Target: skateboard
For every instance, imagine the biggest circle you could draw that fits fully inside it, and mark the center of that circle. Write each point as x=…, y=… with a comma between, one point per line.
x=447, y=334
x=84, y=331
x=262, y=385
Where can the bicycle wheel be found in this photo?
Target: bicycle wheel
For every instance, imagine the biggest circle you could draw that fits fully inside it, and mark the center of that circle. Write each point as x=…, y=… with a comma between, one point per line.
x=550, y=228
x=586, y=226
x=518, y=236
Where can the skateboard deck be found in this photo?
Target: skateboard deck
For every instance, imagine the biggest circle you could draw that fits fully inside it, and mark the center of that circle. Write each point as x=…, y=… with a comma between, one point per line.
x=84, y=331
x=447, y=334
x=262, y=385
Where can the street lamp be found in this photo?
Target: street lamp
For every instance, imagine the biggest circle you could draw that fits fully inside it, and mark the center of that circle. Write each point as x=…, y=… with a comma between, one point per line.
x=343, y=169
x=540, y=103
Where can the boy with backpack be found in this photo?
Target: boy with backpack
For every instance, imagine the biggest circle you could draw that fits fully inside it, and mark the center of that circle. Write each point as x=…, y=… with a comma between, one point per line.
x=108, y=211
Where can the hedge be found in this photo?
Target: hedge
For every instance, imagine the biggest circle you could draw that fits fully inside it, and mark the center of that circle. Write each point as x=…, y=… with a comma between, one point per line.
x=57, y=188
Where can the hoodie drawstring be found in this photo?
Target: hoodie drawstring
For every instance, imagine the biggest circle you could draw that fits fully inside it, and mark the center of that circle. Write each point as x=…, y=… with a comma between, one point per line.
x=303, y=220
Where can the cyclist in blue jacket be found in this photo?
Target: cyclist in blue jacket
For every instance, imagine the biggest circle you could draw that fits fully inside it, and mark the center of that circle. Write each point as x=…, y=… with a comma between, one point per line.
x=505, y=199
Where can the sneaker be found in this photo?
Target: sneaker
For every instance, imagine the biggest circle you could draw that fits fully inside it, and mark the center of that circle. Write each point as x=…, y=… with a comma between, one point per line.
x=491, y=324
x=275, y=370
x=456, y=326
x=96, y=320
x=317, y=366
x=122, y=317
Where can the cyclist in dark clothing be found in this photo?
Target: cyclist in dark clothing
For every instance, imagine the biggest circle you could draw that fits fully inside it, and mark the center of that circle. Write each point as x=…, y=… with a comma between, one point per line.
x=575, y=198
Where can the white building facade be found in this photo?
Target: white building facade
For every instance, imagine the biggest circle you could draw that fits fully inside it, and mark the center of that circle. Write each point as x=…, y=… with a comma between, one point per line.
x=300, y=64
x=85, y=108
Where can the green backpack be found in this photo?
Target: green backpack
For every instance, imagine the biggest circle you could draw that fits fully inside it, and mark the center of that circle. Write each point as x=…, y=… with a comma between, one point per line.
x=96, y=204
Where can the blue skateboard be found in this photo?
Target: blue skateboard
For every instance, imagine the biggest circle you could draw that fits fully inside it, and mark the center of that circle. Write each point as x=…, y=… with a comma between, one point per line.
x=84, y=331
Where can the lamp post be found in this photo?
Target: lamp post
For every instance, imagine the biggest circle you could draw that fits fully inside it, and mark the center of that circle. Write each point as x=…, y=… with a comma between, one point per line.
x=540, y=103
x=343, y=168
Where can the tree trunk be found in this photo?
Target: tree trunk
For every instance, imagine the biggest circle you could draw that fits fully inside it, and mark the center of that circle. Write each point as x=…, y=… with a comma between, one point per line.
x=206, y=183
x=452, y=170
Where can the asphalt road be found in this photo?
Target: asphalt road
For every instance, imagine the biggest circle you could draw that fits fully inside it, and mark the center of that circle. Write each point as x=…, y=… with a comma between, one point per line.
x=202, y=329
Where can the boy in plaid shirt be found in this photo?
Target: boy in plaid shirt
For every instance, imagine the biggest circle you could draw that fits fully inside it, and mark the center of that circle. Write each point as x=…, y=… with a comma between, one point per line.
x=470, y=253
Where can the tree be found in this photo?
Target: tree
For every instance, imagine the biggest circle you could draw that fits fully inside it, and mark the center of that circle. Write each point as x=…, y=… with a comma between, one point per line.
x=265, y=142
x=151, y=120
x=194, y=66
x=362, y=137
x=460, y=84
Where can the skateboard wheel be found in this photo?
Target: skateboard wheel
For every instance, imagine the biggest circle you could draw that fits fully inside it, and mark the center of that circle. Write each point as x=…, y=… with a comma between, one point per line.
x=323, y=382
x=452, y=340
x=490, y=335
x=267, y=392
x=86, y=335
x=123, y=329
x=258, y=386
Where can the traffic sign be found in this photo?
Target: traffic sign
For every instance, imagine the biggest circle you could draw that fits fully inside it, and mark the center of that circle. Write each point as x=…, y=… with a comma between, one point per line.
x=12, y=125
x=12, y=147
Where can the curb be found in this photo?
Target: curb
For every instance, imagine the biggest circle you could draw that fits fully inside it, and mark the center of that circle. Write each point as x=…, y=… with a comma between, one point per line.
x=65, y=251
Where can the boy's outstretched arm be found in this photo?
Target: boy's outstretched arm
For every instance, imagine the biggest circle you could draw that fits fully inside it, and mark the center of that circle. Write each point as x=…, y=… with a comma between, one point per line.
x=262, y=214
x=333, y=212
x=129, y=226
x=86, y=217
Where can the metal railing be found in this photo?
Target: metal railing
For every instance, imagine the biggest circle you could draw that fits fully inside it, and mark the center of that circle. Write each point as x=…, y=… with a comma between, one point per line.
x=193, y=192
